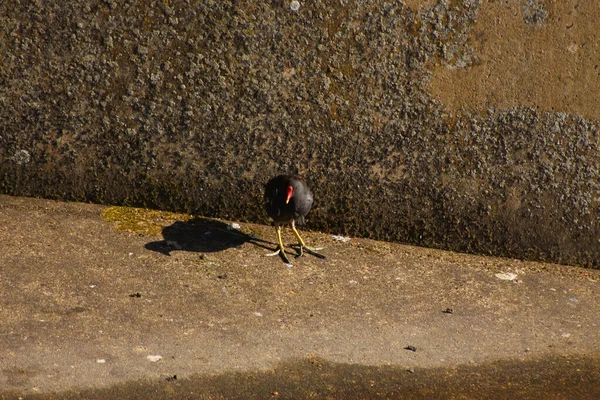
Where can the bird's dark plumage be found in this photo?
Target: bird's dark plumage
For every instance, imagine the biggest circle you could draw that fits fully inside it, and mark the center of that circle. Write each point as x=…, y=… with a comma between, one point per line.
x=299, y=204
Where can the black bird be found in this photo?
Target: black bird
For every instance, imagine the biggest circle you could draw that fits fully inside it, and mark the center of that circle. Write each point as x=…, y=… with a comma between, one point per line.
x=287, y=201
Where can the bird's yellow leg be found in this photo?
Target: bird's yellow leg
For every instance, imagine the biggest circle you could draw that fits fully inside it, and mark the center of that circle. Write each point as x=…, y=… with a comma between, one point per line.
x=279, y=243
x=281, y=249
x=301, y=242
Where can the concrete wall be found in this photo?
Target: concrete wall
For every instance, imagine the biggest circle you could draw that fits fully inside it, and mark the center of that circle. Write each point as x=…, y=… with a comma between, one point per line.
x=466, y=125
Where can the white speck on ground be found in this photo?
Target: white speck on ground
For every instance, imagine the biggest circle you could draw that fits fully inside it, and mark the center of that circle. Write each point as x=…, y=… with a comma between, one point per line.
x=342, y=239
x=506, y=276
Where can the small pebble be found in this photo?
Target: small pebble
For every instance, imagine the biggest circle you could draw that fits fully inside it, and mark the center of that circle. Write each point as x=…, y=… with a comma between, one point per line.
x=156, y=358
x=411, y=348
x=506, y=276
x=174, y=244
x=342, y=239
x=448, y=311
x=295, y=5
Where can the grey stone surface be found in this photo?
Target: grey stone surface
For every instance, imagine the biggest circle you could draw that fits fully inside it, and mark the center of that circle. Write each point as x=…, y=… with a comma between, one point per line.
x=194, y=105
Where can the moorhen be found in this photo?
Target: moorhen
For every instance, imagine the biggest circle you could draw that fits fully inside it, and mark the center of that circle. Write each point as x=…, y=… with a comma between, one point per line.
x=287, y=201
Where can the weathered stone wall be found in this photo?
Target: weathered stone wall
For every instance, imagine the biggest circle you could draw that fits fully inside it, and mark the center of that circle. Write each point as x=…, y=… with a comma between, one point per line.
x=466, y=125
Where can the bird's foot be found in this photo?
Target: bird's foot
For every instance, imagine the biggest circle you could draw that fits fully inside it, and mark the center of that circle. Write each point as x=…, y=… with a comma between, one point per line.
x=313, y=249
x=273, y=254
x=310, y=250
x=281, y=253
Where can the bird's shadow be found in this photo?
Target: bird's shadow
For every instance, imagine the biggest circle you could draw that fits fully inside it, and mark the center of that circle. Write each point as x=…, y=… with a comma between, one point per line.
x=202, y=235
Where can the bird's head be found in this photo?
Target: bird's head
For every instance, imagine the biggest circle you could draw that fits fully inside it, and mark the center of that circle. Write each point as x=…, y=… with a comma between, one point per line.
x=289, y=193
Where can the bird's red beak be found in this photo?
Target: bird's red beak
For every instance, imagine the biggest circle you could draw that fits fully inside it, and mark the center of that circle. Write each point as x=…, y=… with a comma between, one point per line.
x=290, y=192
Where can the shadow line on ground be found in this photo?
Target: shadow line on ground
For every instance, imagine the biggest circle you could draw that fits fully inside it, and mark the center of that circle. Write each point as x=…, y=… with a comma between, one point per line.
x=552, y=377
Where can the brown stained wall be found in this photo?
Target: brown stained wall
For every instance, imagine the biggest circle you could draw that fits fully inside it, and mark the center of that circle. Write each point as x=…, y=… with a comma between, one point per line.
x=547, y=58
x=451, y=124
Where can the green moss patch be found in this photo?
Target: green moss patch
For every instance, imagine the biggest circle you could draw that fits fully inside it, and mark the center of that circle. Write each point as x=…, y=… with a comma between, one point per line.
x=141, y=220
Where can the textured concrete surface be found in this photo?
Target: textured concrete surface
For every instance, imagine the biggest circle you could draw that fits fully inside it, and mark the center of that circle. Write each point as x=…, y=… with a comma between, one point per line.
x=465, y=125
x=85, y=302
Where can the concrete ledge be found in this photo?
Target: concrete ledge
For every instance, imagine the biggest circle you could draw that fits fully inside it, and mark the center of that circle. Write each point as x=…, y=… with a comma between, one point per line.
x=84, y=305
